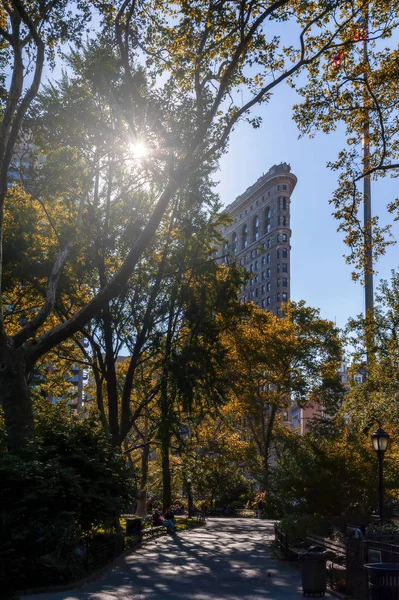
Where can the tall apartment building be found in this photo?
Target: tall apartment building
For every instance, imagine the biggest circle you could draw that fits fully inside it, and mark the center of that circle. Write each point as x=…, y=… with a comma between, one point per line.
x=259, y=237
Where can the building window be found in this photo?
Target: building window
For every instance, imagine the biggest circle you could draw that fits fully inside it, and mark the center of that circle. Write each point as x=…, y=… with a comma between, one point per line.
x=267, y=219
x=278, y=253
x=234, y=243
x=278, y=238
x=278, y=188
x=256, y=265
x=268, y=301
x=268, y=259
x=278, y=268
x=263, y=289
x=269, y=285
x=268, y=273
x=263, y=303
x=278, y=312
x=285, y=296
x=252, y=254
x=256, y=228
x=284, y=237
x=251, y=268
x=263, y=275
x=263, y=260
x=284, y=187
x=256, y=279
x=252, y=293
x=245, y=236
x=285, y=268
x=269, y=243
x=285, y=282
x=284, y=203
x=278, y=282
x=225, y=252
x=278, y=296
x=279, y=220
x=285, y=253
x=284, y=221
x=256, y=292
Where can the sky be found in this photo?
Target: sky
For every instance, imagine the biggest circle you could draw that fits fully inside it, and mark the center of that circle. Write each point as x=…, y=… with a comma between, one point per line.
x=319, y=273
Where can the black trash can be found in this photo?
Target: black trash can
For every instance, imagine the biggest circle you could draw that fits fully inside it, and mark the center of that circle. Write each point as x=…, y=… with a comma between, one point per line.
x=383, y=579
x=134, y=528
x=314, y=573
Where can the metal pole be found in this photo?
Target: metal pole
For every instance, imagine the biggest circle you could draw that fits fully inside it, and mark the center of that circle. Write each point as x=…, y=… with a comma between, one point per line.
x=368, y=234
x=381, y=485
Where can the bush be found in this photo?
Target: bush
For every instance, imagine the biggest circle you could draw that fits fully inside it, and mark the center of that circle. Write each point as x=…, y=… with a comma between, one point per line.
x=298, y=527
x=74, y=484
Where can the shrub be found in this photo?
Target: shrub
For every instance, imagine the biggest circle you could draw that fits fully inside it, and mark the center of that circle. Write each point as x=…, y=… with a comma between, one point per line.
x=74, y=484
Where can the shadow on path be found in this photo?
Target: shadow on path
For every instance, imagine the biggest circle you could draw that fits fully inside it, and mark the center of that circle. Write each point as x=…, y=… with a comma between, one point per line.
x=227, y=560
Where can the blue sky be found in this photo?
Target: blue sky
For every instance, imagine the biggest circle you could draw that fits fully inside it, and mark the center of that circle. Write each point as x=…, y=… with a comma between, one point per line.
x=319, y=273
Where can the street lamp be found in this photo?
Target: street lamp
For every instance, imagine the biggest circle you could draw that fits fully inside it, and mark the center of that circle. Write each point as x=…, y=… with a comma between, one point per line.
x=380, y=442
x=190, y=499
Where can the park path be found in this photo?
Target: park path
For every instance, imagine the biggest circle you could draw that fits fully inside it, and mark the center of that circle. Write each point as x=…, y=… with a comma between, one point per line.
x=229, y=559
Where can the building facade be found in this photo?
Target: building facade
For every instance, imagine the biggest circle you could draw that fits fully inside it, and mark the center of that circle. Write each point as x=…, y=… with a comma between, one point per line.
x=259, y=237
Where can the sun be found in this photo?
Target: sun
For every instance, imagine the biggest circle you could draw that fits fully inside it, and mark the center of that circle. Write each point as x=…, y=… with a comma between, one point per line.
x=139, y=149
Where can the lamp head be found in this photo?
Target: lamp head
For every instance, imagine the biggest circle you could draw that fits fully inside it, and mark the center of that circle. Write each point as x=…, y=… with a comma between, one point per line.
x=380, y=440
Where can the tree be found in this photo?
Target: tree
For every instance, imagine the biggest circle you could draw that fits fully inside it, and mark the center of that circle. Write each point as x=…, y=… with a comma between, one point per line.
x=375, y=400
x=275, y=362
x=329, y=475
x=354, y=85
x=181, y=65
x=216, y=458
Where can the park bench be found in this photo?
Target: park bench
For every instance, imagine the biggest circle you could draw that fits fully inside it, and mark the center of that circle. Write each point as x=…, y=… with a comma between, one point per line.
x=335, y=551
x=149, y=530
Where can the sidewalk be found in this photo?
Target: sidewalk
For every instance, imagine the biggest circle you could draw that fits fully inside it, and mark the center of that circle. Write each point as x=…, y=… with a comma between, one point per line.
x=230, y=559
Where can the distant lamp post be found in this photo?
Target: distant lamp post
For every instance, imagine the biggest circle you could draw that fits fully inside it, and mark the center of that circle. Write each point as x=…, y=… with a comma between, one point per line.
x=380, y=443
x=189, y=498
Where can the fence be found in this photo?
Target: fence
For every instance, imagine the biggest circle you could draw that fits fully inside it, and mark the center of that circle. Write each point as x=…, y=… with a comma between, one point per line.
x=358, y=552
x=99, y=552
x=239, y=513
x=281, y=541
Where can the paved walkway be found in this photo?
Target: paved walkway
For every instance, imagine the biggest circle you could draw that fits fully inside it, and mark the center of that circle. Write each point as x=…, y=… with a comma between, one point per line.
x=227, y=560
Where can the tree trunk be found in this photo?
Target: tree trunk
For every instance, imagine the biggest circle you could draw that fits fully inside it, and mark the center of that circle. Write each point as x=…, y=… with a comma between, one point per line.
x=142, y=499
x=16, y=402
x=265, y=475
x=166, y=478
x=142, y=496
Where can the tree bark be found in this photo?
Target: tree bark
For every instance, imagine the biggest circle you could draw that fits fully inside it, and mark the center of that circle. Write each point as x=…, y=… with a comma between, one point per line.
x=16, y=402
x=166, y=477
x=142, y=499
x=142, y=496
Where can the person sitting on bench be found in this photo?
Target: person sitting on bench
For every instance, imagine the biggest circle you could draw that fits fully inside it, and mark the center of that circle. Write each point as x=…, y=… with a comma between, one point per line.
x=157, y=520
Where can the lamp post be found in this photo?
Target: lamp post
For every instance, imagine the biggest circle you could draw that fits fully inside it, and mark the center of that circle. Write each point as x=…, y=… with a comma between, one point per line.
x=380, y=442
x=189, y=497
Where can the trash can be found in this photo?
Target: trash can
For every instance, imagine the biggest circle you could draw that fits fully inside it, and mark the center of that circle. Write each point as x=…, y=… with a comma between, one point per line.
x=134, y=528
x=314, y=573
x=383, y=580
